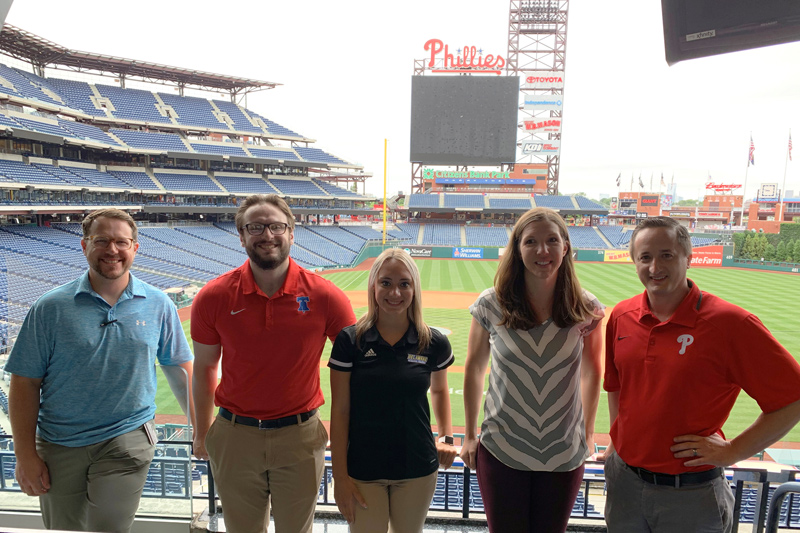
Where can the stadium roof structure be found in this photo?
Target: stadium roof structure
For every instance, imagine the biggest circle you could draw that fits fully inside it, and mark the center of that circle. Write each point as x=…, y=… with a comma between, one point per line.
x=41, y=53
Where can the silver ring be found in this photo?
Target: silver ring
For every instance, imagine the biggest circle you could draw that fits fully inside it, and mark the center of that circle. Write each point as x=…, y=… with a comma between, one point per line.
x=694, y=452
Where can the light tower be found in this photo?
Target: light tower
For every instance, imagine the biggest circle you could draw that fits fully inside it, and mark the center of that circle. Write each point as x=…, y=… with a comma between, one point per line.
x=537, y=50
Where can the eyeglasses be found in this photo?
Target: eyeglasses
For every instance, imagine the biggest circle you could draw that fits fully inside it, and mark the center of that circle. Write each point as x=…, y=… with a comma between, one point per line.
x=276, y=228
x=101, y=241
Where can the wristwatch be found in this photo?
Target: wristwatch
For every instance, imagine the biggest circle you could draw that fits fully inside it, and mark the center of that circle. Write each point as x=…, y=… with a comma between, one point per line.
x=447, y=439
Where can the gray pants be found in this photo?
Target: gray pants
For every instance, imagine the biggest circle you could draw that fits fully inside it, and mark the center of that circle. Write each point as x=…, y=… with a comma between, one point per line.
x=633, y=505
x=95, y=487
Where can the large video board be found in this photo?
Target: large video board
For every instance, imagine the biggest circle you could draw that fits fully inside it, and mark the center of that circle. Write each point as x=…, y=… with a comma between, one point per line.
x=464, y=120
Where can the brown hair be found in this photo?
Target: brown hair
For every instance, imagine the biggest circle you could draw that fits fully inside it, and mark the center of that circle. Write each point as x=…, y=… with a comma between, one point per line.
x=259, y=199
x=118, y=214
x=414, y=310
x=569, y=305
x=679, y=231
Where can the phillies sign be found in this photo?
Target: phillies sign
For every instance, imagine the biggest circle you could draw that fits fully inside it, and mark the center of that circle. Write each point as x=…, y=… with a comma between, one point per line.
x=468, y=59
x=721, y=187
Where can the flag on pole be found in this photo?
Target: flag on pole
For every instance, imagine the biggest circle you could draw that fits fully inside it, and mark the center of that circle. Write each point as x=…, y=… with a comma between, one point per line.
x=750, y=158
x=631, y=180
x=663, y=184
x=790, y=146
x=620, y=174
x=641, y=183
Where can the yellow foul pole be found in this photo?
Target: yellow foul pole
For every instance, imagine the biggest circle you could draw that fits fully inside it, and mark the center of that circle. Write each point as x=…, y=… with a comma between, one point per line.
x=385, y=144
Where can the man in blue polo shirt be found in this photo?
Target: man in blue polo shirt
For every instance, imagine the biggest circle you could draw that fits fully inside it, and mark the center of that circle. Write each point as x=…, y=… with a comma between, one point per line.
x=83, y=384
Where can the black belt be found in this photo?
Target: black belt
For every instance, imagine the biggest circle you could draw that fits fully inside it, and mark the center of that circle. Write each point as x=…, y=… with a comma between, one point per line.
x=267, y=424
x=677, y=481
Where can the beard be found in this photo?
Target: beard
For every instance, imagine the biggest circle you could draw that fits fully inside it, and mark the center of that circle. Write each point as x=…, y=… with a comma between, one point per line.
x=268, y=263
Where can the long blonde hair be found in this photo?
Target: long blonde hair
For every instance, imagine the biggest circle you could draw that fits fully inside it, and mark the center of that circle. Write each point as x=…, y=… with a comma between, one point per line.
x=414, y=310
x=569, y=305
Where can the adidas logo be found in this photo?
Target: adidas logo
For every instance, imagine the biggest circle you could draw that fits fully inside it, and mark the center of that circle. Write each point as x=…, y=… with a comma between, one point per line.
x=371, y=353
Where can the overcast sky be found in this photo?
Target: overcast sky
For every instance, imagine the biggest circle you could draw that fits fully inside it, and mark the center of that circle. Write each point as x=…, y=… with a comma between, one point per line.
x=345, y=69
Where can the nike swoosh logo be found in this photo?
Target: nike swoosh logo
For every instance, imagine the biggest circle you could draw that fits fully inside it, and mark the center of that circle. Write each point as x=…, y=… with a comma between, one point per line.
x=618, y=338
x=237, y=312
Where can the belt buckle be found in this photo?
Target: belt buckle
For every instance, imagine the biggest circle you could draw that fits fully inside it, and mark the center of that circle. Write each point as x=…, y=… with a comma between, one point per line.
x=260, y=422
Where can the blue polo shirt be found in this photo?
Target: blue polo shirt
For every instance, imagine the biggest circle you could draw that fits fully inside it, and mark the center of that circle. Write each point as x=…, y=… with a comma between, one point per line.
x=98, y=382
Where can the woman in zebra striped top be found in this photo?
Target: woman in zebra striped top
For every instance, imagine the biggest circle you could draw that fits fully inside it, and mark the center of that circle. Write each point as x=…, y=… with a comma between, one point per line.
x=540, y=329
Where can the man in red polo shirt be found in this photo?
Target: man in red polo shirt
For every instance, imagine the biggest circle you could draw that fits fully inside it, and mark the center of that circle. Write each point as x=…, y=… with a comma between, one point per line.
x=676, y=359
x=267, y=320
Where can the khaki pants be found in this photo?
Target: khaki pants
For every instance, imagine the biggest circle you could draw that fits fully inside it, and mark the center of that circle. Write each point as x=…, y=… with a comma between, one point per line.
x=95, y=487
x=635, y=505
x=252, y=466
x=399, y=506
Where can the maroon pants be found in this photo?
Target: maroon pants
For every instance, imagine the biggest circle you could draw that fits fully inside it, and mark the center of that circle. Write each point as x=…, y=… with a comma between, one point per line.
x=525, y=501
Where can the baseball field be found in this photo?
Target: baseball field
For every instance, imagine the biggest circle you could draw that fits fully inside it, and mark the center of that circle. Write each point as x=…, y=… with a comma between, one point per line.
x=450, y=286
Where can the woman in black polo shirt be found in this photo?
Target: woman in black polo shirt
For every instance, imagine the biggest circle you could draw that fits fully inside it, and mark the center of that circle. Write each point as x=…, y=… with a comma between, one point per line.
x=385, y=460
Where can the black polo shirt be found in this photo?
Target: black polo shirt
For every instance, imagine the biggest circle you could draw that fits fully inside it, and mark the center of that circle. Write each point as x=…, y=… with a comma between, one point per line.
x=390, y=421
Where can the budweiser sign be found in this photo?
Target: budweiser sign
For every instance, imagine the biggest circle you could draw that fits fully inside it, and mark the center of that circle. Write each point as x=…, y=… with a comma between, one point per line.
x=719, y=187
x=466, y=59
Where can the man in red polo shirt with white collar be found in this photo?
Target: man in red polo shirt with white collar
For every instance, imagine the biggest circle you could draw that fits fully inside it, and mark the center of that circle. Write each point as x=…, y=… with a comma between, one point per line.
x=676, y=359
x=268, y=321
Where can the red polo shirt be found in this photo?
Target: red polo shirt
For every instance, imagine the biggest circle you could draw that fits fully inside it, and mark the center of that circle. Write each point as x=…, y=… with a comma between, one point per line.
x=682, y=376
x=271, y=346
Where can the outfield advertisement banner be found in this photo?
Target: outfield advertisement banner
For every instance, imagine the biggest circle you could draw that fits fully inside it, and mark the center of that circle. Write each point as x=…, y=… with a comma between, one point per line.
x=704, y=256
x=707, y=256
x=419, y=251
x=617, y=256
x=467, y=253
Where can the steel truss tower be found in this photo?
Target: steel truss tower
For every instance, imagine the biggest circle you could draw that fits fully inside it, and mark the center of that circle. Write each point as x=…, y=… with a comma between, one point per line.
x=537, y=47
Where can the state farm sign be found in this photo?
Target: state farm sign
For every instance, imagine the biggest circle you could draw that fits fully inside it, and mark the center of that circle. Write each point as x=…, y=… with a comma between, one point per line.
x=707, y=256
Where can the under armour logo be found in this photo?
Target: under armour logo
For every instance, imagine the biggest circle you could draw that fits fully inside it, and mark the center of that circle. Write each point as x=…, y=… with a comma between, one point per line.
x=685, y=341
x=303, y=301
x=140, y=323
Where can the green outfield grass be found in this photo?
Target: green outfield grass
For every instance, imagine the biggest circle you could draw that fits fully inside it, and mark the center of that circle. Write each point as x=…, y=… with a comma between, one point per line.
x=764, y=293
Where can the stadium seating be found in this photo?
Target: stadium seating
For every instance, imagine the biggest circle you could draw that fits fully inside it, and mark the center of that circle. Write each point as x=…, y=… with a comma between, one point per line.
x=280, y=155
x=475, y=201
x=193, y=111
x=318, y=156
x=22, y=173
x=486, y=236
x=174, y=181
x=244, y=183
x=334, y=190
x=24, y=87
x=590, y=205
x=585, y=237
x=554, y=202
x=298, y=187
x=133, y=104
x=616, y=235
x=338, y=255
x=101, y=179
x=164, y=142
x=442, y=234
x=510, y=203
x=136, y=179
x=238, y=117
x=79, y=129
x=76, y=94
x=219, y=149
x=339, y=236
x=421, y=201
